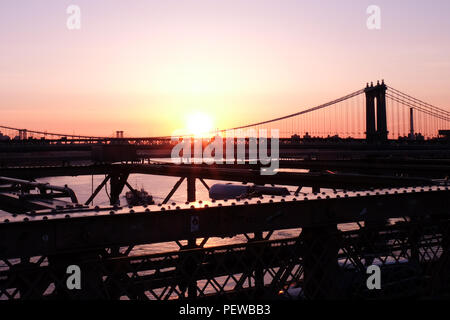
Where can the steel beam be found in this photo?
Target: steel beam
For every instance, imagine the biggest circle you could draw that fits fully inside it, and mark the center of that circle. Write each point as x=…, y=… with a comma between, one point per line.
x=67, y=230
x=97, y=190
x=320, y=179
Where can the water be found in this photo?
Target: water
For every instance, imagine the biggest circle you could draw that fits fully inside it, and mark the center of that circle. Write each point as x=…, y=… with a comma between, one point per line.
x=158, y=187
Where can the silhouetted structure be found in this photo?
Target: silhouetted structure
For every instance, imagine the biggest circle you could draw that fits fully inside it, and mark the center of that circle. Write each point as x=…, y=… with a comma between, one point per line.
x=376, y=126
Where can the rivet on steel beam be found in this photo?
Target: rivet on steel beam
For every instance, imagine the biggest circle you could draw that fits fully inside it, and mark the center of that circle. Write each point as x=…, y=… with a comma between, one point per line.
x=219, y=204
x=271, y=201
x=259, y=202
x=295, y=199
x=6, y=221
x=177, y=208
x=192, y=207
x=67, y=216
x=45, y=218
x=131, y=211
x=163, y=209
x=26, y=219
x=246, y=202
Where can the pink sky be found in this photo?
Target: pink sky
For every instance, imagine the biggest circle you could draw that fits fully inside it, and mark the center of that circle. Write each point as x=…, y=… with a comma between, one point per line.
x=145, y=66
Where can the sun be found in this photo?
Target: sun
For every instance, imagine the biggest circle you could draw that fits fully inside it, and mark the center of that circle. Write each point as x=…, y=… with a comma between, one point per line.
x=199, y=124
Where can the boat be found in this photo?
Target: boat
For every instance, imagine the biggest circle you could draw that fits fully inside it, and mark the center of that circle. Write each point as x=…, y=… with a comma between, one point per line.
x=138, y=198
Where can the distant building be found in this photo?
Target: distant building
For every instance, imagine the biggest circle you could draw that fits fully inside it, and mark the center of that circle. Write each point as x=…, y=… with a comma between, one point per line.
x=295, y=138
x=445, y=134
x=419, y=137
x=4, y=137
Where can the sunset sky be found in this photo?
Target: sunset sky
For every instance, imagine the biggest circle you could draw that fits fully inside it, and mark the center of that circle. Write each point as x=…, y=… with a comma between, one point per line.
x=144, y=66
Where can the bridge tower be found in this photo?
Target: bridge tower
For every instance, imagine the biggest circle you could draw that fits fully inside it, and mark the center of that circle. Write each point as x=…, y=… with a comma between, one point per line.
x=376, y=124
x=411, y=123
x=23, y=134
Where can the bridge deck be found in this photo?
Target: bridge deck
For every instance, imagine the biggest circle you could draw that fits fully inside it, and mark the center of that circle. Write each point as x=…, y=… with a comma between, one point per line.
x=404, y=232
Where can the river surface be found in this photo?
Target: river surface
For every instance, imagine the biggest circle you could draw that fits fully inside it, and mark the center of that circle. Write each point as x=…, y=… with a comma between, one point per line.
x=158, y=187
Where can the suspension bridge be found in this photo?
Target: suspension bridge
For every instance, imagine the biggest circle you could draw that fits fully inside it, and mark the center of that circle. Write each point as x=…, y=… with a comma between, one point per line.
x=370, y=172
x=375, y=113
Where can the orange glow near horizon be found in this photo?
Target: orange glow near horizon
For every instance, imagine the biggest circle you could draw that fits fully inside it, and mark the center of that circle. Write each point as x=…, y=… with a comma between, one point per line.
x=199, y=124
